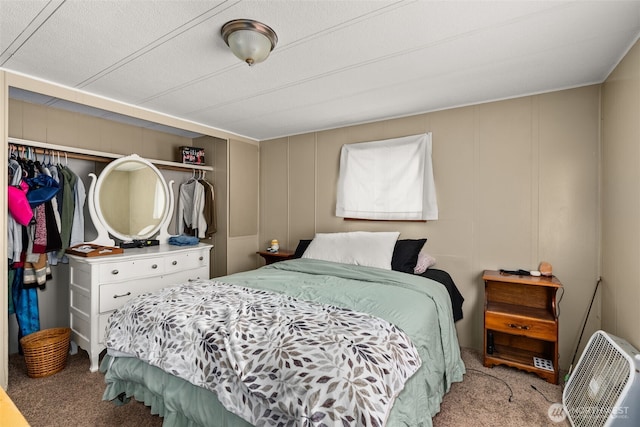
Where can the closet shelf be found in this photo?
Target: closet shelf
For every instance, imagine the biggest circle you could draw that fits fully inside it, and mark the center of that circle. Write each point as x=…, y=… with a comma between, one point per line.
x=101, y=156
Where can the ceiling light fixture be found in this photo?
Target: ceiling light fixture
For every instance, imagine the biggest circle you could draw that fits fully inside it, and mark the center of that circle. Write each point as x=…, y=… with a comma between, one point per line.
x=249, y=40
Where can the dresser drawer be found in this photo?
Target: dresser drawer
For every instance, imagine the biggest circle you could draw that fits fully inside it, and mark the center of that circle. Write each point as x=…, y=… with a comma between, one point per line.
x=186, y=276
x=518, y=325
x=115, y=295
x=100, y=285
x=185, y=261
x=117, y=272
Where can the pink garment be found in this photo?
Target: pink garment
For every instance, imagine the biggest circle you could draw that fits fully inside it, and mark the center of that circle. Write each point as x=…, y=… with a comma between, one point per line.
x=18, y=203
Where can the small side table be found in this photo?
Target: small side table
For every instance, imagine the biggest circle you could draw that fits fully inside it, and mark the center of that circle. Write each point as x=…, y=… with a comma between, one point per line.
x=521, y=323
x=271, y=257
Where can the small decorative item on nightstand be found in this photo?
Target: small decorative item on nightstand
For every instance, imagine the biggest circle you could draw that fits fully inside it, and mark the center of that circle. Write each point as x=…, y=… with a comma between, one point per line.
x=521, y=323
x=275, y=246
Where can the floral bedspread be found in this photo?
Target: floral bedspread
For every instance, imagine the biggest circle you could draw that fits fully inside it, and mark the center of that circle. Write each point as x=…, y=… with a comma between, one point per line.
x=271, y=359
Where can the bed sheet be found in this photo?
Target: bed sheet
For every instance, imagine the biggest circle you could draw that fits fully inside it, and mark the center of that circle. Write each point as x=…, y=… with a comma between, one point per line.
x=419, y=306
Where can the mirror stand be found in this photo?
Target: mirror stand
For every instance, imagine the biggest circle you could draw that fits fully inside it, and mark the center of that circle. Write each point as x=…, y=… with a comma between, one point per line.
x=163, y=235
x=103, y=238
x=130, y=201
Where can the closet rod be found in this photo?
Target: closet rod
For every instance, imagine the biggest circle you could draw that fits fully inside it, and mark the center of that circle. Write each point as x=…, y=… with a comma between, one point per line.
x=99, y=156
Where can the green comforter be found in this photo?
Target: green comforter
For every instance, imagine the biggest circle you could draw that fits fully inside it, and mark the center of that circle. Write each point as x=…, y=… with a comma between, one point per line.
x=418, y=306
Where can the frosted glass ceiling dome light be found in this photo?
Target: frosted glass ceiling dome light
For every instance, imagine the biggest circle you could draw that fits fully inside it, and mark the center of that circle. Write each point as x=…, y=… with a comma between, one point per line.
x=249, y=40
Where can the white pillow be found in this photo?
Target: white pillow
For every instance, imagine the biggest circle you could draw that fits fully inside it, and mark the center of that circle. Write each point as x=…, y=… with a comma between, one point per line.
x=372, y=249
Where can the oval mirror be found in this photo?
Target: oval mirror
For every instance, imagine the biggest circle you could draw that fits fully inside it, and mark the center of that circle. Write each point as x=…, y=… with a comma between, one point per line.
x=130, y=199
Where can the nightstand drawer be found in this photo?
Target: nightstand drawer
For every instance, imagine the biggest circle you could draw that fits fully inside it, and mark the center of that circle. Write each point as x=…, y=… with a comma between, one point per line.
x=517, y=325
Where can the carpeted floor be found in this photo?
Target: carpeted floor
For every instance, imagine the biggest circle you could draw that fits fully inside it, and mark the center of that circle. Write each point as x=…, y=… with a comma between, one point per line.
x=499, y=396
x=487, y=397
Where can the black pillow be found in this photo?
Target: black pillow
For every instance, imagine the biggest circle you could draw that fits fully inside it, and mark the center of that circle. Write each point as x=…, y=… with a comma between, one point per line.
x=405, y=254
x=302, y=246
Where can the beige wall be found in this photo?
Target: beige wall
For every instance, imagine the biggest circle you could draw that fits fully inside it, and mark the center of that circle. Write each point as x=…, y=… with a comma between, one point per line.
x=244, y=175
x=621, y=199
x=45, y=124
x=517, y=183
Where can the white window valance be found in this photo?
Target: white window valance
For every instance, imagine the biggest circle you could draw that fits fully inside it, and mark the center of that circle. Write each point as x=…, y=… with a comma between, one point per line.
x=390, y=179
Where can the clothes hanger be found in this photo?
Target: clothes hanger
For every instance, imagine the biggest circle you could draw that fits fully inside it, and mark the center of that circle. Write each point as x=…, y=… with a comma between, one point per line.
x=193, y=176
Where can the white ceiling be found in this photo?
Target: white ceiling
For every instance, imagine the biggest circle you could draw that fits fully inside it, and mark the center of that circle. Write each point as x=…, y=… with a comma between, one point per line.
x=336, y=62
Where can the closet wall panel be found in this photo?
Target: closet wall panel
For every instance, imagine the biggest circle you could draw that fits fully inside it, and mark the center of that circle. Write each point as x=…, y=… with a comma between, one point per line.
x=221, y=181
x=302, y=188
x=274, y=202
x=244, y=181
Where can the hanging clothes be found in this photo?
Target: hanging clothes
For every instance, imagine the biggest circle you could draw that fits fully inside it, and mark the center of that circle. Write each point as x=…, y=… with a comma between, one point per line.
x=25, y=302
x=191, y=220
x=20, y=212
x=77, y=225
x=68, y=180
x=209, y=210
x=17, y=194
x=54, y=241
x=37, y=202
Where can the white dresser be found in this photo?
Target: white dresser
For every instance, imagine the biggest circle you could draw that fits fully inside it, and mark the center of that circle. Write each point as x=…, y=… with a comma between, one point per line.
x=99, y=285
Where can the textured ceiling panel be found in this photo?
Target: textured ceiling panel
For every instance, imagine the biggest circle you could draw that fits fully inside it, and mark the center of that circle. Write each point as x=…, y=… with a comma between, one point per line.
x=337, y=62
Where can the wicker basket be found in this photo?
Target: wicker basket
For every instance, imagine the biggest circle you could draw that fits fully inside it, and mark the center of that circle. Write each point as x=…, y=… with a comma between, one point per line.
x=45, y=352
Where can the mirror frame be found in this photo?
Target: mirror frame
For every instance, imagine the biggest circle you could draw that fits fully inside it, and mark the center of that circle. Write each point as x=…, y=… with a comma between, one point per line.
x=104, y=229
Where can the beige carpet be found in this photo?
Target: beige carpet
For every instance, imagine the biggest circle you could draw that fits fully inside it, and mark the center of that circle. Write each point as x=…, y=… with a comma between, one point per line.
x=499, y=396
x=73, y=398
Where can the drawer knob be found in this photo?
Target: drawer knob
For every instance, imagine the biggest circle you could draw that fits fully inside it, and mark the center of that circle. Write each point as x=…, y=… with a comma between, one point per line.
x=174, y=263
x=154, y=266
x=123, y=295
x=115, y=272
x=522, y=327
x=201, y=258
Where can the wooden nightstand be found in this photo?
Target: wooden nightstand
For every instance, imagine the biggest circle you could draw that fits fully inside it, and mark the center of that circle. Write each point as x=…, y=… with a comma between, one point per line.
x=521, y=323
x=271, y=257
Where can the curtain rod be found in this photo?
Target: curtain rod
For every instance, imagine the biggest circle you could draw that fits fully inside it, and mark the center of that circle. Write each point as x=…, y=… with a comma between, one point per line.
x=99, y=156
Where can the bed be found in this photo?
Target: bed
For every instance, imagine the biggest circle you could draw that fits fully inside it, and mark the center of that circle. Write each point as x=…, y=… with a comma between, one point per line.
x=412, y=315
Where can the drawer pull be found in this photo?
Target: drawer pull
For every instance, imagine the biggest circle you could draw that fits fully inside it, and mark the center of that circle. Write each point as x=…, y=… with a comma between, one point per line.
x=174, y=263
x=201, y=258
x=522, y=327
x=123, y=295
x=114, y=272
x=154, y=266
